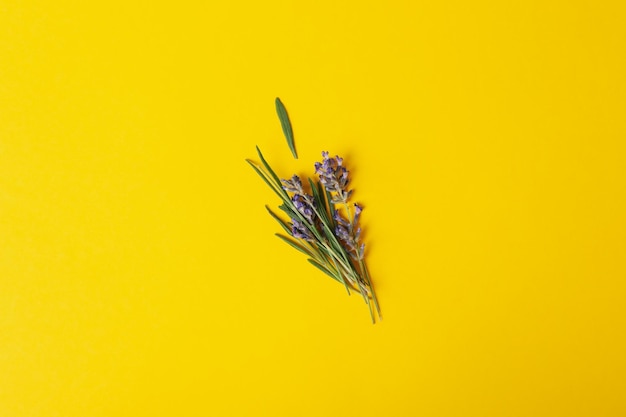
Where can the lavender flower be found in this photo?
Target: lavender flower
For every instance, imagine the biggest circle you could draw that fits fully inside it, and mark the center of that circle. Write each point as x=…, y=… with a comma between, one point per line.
x=334, y=176
x=303, y=203
x=350, y=233
x=300, y=231
x=343, y=233
x=294, y=185
x=357, y=212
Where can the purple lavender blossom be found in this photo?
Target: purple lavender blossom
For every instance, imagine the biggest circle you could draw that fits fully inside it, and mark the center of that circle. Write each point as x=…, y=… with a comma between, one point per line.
x=303, y=205
x=293, y=185
x=357, y=212
x=343, y=233
x=302, y=202
x=300, y=231
x=349, y=234
x=334, y=176
x=339, y=219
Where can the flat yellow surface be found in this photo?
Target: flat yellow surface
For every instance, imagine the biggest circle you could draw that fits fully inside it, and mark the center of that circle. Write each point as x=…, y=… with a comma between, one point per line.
x=139, y=274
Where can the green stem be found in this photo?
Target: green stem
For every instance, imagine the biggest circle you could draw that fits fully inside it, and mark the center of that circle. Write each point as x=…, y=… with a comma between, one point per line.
x=363, y=268
x=369, y=283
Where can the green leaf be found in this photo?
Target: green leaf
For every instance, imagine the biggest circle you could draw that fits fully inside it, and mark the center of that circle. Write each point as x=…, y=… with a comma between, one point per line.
x=266, y=177
x=268, y=168
x=286, y=125
x=258, y=170
x=331, y=208
x=297, y=246
x=278, y=219
x=314, y=191
x=325, y=203
x=327, y=228
x=288, y=210
x=323, y=269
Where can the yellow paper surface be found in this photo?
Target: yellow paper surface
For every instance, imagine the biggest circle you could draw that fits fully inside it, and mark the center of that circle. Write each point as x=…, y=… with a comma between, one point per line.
x=139, y=274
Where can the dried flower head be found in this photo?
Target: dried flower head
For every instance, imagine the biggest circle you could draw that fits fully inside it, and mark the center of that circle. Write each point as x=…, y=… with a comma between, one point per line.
x=334, y=177
x=303, y=203
x=293, y=185
x=300, y=231
x=349, y=233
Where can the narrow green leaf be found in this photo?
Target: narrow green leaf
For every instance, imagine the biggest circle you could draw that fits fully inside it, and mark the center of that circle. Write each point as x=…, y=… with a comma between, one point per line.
x=321, y=190
x=279, y=185
x=319, y=200
x=327, y=224
x=265, y=176
x=340, y=276
x=314, y=190
x=261, y=174
x=270, y=170
x=325, y=203
x=297, y=246
x=331, y=208
x=278, y=219
x=323, y=269
x=288, y=210
x=285, y=123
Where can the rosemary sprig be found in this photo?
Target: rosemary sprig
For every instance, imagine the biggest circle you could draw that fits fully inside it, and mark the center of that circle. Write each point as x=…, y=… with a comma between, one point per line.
x=318, y=226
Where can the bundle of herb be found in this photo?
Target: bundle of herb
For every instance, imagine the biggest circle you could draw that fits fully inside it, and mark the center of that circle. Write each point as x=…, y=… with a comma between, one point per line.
x=323, y=224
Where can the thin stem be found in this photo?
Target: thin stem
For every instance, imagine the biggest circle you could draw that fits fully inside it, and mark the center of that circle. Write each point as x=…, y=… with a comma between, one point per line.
x=345, y=262
x=362, y=265
x=369, y=283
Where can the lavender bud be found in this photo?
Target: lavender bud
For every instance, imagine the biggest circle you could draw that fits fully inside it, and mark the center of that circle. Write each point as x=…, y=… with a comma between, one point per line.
x=302, y=204
x=334, y=177
x=300, y=231
x=293, y=185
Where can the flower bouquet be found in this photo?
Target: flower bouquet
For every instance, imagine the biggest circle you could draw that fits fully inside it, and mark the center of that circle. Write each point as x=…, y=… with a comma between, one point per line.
x=323, y=222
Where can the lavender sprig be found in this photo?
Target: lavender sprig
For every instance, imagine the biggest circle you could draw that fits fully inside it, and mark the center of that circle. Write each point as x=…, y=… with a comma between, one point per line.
x=334, y=176
x=317, y=225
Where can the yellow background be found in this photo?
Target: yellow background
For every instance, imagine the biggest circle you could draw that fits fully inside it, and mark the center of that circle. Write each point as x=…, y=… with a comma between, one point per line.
x=139, y=274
